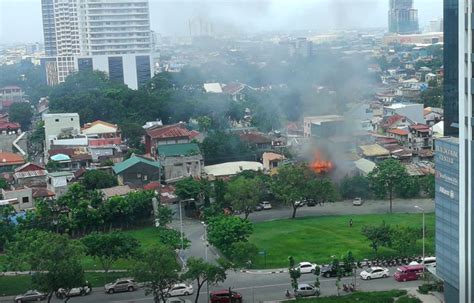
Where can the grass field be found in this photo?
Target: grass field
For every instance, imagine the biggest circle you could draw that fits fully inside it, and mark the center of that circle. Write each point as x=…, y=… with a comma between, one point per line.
x=366, y=297
x=317, y=239
x=14, y=285
x=147, y=236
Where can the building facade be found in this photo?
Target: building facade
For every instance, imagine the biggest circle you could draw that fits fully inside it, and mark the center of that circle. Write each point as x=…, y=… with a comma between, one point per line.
x=402, y=17
x=58, y=126
x=447, y=216
x=110, y=36
x=466, y=145
x=451, y=69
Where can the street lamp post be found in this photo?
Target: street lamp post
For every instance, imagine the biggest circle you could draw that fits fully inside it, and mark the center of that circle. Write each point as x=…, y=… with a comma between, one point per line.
x=205, y=255
x=423, y=213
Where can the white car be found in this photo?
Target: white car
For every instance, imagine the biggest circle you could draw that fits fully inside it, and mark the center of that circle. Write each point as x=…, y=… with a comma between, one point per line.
x=374, y=273
x=306, y=267
x=266, y=205
x=428, y=262
x=357, y=202
x=306, y=290
x=180, y=290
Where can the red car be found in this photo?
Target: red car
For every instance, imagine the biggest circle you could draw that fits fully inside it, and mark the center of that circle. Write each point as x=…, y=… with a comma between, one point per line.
x=222, y=296
x=408, y=273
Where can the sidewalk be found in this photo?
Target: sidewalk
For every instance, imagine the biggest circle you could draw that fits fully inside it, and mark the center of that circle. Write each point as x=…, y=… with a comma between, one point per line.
x=429, y=298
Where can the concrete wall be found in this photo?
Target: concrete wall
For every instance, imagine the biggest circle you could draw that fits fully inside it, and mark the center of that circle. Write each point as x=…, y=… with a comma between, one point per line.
x=24, y=197
x=55, y=124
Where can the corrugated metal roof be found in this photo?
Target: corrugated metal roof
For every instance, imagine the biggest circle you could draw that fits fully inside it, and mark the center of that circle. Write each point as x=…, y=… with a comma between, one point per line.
x=120, y=167
x=174, y=150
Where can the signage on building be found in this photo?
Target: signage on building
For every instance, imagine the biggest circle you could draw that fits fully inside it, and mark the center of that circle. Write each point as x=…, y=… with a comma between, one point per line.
x=446, y=178
x=448, y=192
x=447, y=155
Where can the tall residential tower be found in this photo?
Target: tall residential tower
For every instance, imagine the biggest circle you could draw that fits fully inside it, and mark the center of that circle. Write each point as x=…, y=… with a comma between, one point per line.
x=108, y=35
x=402, y=17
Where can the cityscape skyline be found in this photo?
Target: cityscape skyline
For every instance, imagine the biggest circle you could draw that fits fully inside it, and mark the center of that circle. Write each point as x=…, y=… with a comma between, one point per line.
x=230, y=16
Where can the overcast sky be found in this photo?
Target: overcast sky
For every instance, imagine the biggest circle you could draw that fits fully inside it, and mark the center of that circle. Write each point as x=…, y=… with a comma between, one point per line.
x=20, y=20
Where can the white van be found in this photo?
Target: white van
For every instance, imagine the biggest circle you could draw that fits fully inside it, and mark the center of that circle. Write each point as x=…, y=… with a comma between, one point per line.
x=429, y=261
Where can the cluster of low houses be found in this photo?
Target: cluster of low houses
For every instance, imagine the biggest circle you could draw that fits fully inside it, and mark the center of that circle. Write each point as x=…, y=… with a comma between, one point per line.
x=367, y=134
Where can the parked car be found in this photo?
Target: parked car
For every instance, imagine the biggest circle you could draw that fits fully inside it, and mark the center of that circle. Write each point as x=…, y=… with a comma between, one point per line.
x=306, y=267
x=300, y=203
x=328, y=271
x=428, y=261
x=177, y=300
x=180, y=290
x=30, y=295
x=258, y=207
x=222, y=296
x=306, y=290
x=408, y=273
x=119, y=285
x=374, y=273
x=74, y=292
x=311, y=203
x=357, y=202
x=266, y=205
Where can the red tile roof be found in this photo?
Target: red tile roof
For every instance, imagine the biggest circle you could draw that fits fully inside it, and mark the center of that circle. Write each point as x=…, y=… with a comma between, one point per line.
x=397, y=131
x=105, y=141
x=7, y=158
x=420, y=127
x=255, y=138
x=194, y=134
x=389, y=121
x=169, y=131
x=29, y=167
x=9, y=125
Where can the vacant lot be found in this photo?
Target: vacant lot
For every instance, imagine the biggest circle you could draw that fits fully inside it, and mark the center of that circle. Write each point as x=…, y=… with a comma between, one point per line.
x=318, y=239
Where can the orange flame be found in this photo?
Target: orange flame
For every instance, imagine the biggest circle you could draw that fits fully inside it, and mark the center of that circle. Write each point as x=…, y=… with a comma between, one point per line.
x=319, y=165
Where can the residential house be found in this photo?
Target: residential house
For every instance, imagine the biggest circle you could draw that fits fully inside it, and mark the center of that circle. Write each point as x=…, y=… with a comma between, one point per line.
x=137, y=171
x=364, y=166
x=10, y=128
x=272, y=160
x=116, y=191
x=180, y=161
x=256, y=140
x=9, y=161
x=20, y=198
x=393, y=122
x=11, y=93
x=31, y=175
x=104, y=138
x=374, y=152
x=58, y=126
x=167, y=134
x=401, y=135
x=433, y=115
x=323, y=126
x=413, y=111
x=71, y=159
x=420, y=137
x=58, y=182
x=431, y=77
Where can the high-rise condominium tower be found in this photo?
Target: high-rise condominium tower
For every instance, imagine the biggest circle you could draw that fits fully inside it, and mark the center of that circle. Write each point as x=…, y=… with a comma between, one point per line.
x=109, y=35
x=402, y=17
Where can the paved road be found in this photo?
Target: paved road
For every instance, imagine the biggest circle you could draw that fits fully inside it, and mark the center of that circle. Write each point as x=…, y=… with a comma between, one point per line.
x=345, y=208
x=253, y=287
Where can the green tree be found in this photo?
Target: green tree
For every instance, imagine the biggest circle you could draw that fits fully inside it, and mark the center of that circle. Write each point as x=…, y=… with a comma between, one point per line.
x=243, y=253
x=132, y=134
x=7, y=227
x=97, y=179
x=4, y=183
x=243, y=194
x=385, y=178
x=204, y=123
x=172, y=238
x=409, y=187
x=377, y=235
x=427, y=185
x=164, y=215
x=188, y=188
x=220, y=147
x=317, y=283
x=203, y=272
x=21, y=113
x=353, y=187
x=109, y=247
x=319, y=190
x=54, y=257
x=294, y=272
x=289, y=185
x=157, y=268
x=52, y=166
x=223, y=231
x=403, y=239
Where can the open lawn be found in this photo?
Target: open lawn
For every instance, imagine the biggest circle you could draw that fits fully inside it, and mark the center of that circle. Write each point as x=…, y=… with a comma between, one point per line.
x=365, y=297
x=14, y=285
x=317, y=239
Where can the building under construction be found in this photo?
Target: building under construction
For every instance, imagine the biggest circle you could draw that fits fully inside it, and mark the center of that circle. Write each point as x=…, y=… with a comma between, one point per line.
x=402, y=17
